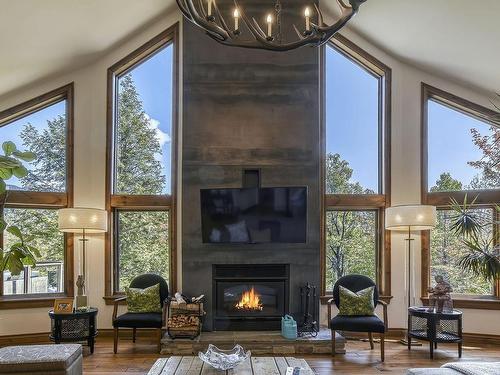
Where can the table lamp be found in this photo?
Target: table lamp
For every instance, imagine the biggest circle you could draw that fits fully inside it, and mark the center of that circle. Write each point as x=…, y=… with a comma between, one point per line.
x=84, y=221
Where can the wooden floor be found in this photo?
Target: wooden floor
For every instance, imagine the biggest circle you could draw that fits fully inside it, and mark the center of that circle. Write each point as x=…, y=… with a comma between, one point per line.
x=134, y=359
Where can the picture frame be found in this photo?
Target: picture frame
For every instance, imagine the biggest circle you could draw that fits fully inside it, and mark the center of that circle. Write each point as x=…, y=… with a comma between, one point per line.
x=63, y=305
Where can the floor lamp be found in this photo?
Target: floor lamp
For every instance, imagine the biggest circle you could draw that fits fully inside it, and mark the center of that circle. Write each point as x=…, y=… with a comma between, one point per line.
x=410, y=218
x=82, y=221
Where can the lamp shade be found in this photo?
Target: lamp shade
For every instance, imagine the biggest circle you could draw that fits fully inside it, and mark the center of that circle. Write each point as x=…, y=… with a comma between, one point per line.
x=413, y=217
x=75, y=220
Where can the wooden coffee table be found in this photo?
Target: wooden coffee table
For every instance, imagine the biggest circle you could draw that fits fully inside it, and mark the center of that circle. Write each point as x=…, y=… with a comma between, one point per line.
x=254, y=366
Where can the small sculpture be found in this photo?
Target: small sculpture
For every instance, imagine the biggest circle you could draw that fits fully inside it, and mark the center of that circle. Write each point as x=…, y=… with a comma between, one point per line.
x=439, y=298
x=80, y=284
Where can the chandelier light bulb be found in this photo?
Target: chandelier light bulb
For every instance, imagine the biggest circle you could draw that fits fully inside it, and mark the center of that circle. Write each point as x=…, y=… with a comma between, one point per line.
x=269, y=21
x=307, y=14
x=236, y=15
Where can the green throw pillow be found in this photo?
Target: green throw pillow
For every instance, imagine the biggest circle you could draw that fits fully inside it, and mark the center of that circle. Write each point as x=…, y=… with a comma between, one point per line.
x=360, y=303
x=143, y=300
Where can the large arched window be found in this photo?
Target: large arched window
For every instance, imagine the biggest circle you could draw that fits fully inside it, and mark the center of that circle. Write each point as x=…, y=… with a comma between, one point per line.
x=460, y=158
x=43, y=125
x=356, y=146
x=142, y=155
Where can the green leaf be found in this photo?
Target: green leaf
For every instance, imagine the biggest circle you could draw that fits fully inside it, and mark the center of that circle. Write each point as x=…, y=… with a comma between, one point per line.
x=20, y=172
x=12, y=263
x=3, y=187
x=15, y=231
x=26, y=155
x=3, y=225
x=35, y=251
x=5, y=173
x=8, y=162
x=8, y=147
x=29, y=260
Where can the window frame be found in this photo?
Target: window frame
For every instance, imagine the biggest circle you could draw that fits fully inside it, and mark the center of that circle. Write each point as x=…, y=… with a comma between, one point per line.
x=162, y=202
x=44, y=200
x=372, y=202
x=486, y=197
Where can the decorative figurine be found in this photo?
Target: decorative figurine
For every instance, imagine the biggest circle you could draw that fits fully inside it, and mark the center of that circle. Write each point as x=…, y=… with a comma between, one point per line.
x=439, y=298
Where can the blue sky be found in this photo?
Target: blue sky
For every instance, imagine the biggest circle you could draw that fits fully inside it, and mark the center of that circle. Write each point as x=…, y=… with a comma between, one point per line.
x=351, y=115
x=450, y=144
x=153, y=80
x=38, y=119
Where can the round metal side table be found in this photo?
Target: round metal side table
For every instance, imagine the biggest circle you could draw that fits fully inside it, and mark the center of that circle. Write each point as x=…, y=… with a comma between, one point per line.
x=436, y=327
x=75, y=327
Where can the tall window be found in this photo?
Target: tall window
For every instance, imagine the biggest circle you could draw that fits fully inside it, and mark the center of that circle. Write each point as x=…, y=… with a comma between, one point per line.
x=461, y=151
x=141, y=165
x=43, y=126
x=356, y=165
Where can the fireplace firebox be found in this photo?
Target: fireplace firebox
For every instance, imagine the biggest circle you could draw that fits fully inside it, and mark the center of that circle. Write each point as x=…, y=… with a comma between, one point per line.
x=250, y=297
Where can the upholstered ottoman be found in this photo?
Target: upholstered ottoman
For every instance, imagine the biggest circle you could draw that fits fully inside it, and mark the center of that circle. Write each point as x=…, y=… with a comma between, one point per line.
x=41, y=359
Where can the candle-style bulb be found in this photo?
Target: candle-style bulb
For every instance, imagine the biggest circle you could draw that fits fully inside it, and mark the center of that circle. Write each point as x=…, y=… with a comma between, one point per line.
x=236, y=15
x=307, y=14
x=269, y=21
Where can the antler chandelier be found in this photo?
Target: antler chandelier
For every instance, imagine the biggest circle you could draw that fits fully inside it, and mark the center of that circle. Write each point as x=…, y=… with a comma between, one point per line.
x=206, y=15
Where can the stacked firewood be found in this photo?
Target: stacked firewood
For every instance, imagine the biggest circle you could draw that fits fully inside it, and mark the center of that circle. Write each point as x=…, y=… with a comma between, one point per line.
x=183, y=321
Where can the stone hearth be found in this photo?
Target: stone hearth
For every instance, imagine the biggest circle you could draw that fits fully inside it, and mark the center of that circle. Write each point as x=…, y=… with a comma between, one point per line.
x=260, y=343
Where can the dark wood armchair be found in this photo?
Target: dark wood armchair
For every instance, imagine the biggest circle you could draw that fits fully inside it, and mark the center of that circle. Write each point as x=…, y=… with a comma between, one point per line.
x=369, y=324
x=142, y=320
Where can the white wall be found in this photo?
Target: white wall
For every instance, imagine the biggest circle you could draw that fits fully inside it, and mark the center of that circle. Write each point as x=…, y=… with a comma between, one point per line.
x=90, y=139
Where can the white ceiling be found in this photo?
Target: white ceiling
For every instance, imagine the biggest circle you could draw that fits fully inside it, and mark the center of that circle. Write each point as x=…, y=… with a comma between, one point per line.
x=40, y=38
x=459, y=39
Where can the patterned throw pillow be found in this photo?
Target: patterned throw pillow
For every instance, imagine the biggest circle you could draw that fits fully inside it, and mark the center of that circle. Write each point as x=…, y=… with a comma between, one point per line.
x=143, y=300
x=360, y=303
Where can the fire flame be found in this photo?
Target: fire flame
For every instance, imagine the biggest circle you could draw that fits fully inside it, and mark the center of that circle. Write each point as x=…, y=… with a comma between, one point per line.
x=250, y=300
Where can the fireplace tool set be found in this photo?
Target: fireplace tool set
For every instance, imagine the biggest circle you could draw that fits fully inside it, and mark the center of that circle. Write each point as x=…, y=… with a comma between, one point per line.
x=308, y=302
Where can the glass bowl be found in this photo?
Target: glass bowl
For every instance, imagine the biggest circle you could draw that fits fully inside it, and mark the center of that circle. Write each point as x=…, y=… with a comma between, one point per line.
x=224, y=359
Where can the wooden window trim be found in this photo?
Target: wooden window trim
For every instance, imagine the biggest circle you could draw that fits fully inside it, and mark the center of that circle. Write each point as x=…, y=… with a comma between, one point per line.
x=442, y=199
x=49, y=200
x=140, y=202
x=368, y=201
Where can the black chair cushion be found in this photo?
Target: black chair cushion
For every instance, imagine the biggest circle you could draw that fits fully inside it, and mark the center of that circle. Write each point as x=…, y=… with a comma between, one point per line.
x=139, y=320
x=149, y=279
x=354, y=283
x=371, y=323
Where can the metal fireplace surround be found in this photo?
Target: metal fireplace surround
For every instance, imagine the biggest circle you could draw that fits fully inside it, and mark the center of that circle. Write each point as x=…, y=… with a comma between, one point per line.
x=270, y=282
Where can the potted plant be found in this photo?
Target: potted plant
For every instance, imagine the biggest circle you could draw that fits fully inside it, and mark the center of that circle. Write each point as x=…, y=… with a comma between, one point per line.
x=483, y=252
x=20, y=253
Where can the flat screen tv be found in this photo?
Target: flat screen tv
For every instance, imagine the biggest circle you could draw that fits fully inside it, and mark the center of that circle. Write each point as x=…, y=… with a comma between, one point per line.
x=254, y=215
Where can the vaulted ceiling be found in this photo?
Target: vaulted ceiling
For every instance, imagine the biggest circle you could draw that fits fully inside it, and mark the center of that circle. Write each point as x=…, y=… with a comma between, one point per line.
x=458, y=39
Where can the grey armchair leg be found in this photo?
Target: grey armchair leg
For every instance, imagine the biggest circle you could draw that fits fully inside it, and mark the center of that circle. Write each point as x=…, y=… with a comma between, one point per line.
x=370, y=336
x=382, y=347
x=115, y=343
x=159, y=332
x=333, y=343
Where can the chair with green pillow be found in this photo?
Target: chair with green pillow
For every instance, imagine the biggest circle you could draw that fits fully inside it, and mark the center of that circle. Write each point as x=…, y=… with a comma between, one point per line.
x=146, y=306
x=356, y=297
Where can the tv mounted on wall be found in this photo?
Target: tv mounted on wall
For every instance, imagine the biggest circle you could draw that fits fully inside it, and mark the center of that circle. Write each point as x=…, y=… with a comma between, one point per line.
x=254, y=215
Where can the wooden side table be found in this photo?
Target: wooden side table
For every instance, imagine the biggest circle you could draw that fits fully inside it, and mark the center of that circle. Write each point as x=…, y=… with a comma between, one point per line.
x=75, y=327
x=435, y=327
